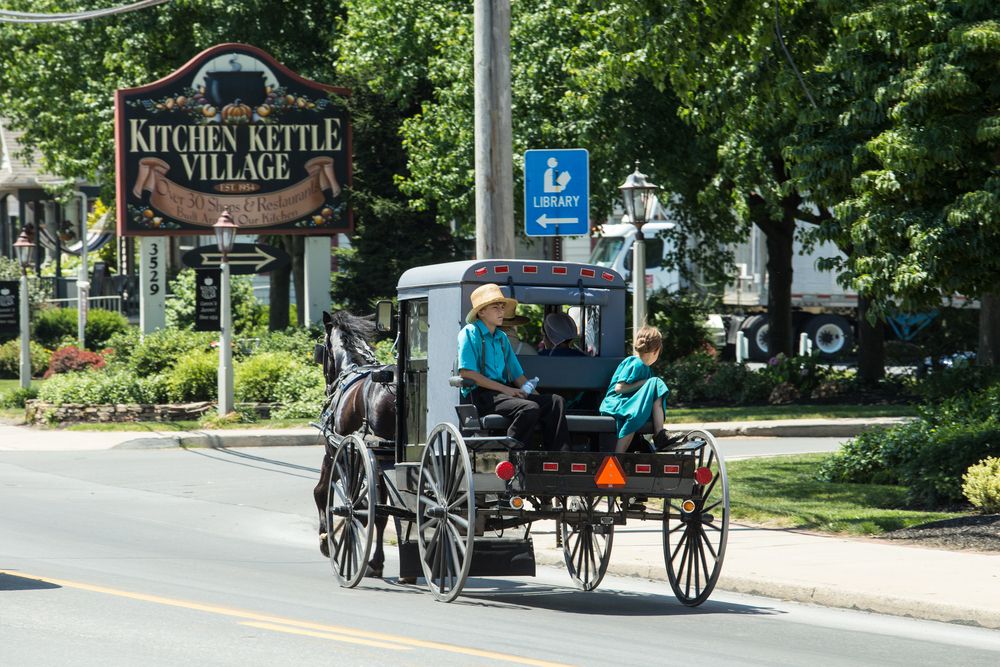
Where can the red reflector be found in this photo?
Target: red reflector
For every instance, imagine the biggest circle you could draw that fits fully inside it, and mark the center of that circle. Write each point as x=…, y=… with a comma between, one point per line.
x=505, y=470
x=607, y=276
x=481, y=271
x=643, y=468
x=501, y=268
x=671, y=470
x=550, y=466
x=588, y=273
x=578, y=467
x=703, y=476
x=610, y=474
x=529, y=268
x=559, y=270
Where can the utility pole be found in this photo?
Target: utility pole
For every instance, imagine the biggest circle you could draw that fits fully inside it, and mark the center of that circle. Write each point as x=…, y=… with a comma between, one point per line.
x=494, y=151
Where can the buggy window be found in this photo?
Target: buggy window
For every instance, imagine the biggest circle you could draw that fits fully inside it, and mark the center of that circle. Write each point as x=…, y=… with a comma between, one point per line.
x=416, y=329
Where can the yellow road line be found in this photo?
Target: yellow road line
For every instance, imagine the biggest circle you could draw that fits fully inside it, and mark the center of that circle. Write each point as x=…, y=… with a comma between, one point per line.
x=324, y=635
x=264, y=618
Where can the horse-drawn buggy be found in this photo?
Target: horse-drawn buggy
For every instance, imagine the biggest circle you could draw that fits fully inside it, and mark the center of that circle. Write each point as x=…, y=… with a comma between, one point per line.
x=402, y=442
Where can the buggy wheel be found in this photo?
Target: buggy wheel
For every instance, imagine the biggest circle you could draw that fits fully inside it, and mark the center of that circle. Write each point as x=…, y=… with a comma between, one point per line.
x=446, y=512
x=586, y=546
x=694, y=538
x=350, y=511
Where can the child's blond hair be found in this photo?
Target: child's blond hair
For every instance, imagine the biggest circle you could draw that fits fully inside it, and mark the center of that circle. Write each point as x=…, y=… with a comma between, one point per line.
x=648, y=339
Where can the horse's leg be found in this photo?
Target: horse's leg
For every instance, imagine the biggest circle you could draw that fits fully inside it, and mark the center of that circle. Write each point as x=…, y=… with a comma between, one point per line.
x=320, y=496
x=377, y=562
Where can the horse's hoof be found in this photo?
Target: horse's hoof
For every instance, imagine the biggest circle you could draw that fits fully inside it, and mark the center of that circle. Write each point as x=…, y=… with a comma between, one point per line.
x=324, y=546
x=374, y=572
x=407, y=580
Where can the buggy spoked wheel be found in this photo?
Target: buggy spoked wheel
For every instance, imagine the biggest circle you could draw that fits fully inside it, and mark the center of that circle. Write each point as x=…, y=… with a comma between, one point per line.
x=587, y=547
x=695, y=529
x=350, y=511
x=446, y=512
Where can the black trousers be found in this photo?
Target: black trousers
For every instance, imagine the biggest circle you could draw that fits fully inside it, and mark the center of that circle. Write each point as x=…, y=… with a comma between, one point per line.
x=526, y=413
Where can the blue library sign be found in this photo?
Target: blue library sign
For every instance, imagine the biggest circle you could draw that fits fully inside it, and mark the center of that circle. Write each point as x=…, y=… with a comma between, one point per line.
x=557, y=192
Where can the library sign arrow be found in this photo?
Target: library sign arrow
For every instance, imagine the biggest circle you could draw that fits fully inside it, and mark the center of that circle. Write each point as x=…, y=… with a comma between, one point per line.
x=244, y=258
x=235, y=129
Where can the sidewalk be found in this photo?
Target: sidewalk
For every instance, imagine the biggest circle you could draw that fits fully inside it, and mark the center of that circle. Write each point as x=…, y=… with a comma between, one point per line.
x=951, y=586
x=23, y=438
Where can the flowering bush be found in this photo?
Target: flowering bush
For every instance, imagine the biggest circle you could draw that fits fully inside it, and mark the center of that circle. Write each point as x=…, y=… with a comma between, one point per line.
x=981, y=485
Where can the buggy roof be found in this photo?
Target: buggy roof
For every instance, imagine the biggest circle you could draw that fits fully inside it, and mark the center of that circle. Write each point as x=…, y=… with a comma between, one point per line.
x=516, y=271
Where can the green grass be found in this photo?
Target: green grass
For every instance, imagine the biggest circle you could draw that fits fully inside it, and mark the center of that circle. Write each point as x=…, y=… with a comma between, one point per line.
x=783, y=492
x=761, y=412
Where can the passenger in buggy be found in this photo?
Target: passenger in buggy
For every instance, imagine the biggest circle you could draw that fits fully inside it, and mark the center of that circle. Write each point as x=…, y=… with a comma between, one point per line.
x=486, y=357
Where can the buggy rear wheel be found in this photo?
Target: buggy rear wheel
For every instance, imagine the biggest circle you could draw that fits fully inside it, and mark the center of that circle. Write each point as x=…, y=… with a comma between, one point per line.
x=695, y=529
x=350, y=511
x=586, y=546
x=446, y=512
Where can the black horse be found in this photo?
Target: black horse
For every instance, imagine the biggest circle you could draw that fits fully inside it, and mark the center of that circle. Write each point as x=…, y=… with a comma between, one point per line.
x=356, y=404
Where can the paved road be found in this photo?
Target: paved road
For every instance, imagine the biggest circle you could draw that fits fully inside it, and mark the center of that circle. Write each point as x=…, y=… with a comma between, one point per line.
x=170, y=556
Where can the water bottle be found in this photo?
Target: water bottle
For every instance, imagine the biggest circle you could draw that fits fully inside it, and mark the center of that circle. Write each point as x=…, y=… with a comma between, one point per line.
x=530, y=385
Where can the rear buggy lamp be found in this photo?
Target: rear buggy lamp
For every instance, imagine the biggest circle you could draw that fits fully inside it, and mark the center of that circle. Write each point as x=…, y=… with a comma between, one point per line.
x=703, y=475
x=687, y=506
x=516, y=502
x=505, y=470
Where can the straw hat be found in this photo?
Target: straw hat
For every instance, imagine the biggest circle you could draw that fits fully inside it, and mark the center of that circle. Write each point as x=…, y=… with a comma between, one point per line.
x=516, y=321
x=487, y=295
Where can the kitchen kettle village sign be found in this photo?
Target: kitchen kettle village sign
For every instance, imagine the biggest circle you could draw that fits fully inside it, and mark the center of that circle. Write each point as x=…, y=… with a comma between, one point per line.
x=232, y=129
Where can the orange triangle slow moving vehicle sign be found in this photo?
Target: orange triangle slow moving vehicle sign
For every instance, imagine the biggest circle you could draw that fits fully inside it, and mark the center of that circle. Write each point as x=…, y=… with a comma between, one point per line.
x=610, y=474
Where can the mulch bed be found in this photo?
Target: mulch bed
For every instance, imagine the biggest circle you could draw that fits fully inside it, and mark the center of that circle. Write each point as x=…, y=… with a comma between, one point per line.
x=972, y=533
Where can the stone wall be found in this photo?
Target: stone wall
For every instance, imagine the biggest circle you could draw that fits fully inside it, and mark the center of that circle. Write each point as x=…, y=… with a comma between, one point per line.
x=39, y=412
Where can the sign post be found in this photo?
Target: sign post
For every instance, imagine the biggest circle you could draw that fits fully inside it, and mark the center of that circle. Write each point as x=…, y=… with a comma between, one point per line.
x=557, y=192
x=152, y=283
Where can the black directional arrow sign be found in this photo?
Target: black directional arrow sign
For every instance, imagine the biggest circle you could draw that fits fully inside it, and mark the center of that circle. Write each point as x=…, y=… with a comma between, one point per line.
x=244, y=258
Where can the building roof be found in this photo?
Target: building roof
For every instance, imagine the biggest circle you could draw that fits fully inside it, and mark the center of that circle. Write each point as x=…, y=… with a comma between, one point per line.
x=15, y=171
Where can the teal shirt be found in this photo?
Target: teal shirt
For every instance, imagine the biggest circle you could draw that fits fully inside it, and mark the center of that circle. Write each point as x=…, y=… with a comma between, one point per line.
x=487, y=353
x=632, y=411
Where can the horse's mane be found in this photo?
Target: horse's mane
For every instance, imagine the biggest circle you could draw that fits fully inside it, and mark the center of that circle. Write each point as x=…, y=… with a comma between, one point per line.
x=356, y=332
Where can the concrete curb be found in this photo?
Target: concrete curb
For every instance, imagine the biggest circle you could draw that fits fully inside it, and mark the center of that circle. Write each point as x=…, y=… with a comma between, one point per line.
x=224, y=439
x=819, y=595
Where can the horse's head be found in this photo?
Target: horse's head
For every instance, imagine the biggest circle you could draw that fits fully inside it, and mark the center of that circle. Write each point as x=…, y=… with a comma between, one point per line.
x=346, y=343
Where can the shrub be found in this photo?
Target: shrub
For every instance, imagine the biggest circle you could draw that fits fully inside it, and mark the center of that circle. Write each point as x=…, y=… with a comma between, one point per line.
x=71, y=358
x=91, y=387
x=15, y=398
x=54, y=327
x=10, y=359
x=102, y=325
x=981, y=485
x=294, y=341
x=160, y=350
x=195, y=377
x=681, y=319
x=180, y=310
x=257, y=378
x=301, y=392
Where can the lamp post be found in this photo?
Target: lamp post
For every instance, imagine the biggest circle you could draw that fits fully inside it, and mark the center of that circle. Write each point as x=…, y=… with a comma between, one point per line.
x=24, y=247
x=83, y=281
x=225, y=234
x=637, y=194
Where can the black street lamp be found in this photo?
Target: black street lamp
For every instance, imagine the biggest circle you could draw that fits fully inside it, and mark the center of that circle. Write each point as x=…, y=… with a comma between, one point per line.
x=24, y=249
x=225, y=233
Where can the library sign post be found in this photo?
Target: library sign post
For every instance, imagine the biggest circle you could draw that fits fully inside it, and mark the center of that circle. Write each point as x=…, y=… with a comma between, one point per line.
x=232, y=130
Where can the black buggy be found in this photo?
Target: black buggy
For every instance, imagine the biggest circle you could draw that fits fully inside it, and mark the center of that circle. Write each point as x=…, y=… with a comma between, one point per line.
x=464, y=496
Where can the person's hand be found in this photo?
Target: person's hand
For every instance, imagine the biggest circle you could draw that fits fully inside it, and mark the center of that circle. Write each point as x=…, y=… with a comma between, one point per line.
x=514, y=392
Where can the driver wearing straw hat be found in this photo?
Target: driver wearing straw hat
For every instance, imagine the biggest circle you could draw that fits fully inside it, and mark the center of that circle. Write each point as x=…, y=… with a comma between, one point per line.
x=486, y=357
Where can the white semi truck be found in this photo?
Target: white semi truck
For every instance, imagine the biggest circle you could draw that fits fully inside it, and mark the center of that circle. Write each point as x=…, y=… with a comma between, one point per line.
x=822, y=309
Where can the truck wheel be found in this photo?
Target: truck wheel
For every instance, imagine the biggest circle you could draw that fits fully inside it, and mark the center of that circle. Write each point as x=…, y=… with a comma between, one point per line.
x=755, y=328
x=831, y=335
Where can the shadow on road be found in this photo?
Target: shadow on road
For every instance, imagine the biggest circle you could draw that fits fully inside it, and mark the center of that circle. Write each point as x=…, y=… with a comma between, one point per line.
x=232, y=456
x=11, y=582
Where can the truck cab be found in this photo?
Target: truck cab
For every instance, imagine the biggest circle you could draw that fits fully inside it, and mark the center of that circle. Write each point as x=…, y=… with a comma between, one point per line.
x=614, y=251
